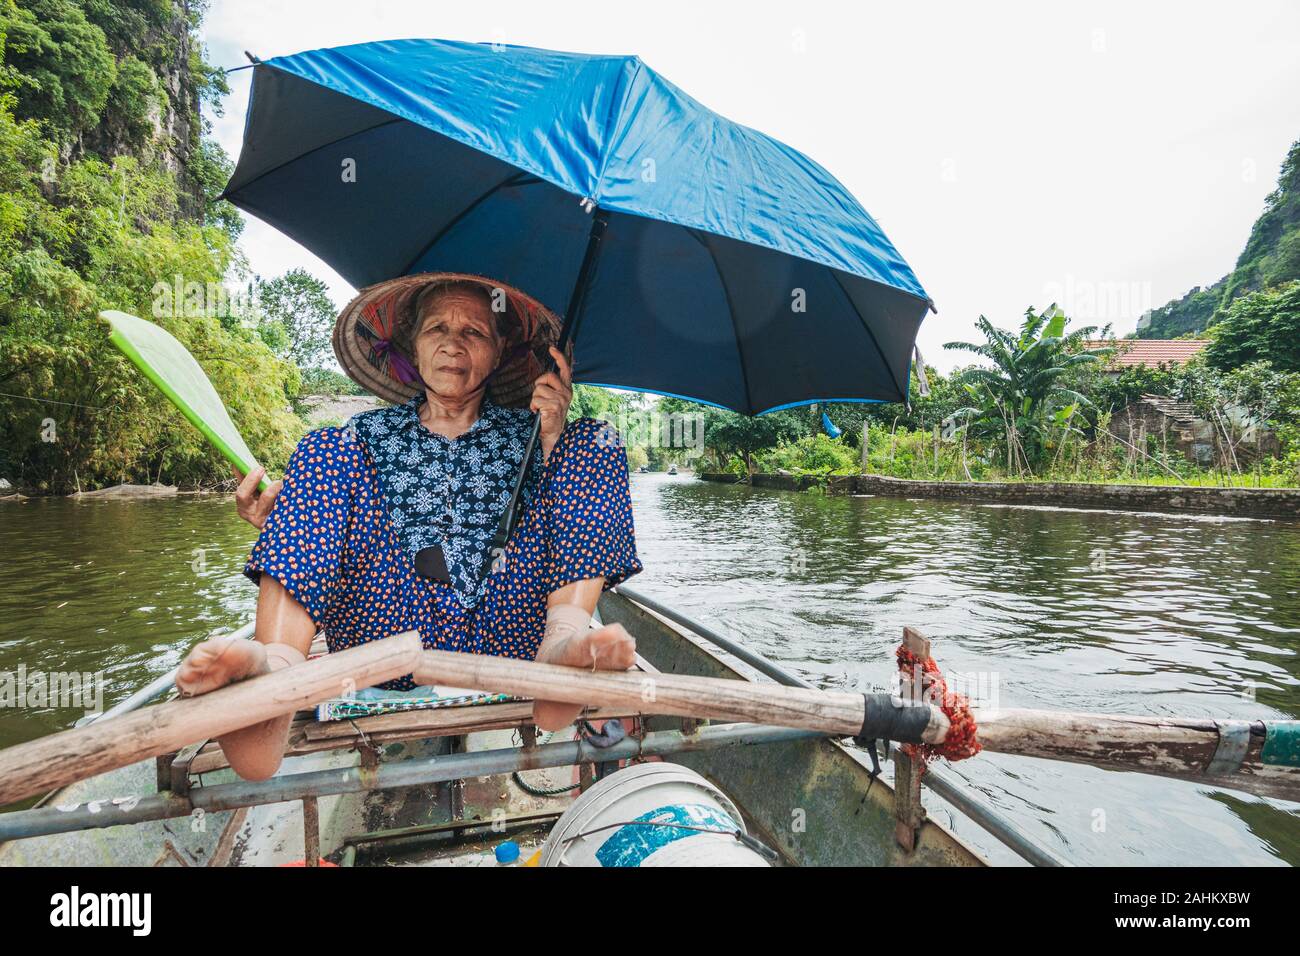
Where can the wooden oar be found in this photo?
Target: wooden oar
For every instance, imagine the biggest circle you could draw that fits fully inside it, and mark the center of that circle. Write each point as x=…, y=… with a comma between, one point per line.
x=180, y=378
x=50, y=762
x=1174, y=747
x=833, y=712
x=1164, y=746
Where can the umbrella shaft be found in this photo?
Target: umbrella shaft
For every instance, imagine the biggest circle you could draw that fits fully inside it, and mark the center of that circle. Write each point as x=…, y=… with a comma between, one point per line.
x=568, y=331
x=572, y=315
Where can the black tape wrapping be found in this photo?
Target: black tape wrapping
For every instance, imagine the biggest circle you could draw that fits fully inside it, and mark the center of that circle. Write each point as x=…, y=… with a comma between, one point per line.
x=885, y=718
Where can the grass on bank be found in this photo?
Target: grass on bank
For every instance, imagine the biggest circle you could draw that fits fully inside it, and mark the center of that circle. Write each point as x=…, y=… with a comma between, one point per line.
x=920, y=455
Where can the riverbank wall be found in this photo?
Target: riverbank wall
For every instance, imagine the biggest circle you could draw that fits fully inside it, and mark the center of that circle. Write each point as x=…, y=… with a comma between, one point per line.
x=1276, y=503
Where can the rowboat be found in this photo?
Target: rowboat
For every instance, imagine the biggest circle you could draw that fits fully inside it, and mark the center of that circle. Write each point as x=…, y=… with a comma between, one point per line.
x=448, y=786
x=463, y=804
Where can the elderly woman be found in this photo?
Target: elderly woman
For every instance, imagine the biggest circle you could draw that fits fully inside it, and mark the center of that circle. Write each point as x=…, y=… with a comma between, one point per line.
x=384, y=525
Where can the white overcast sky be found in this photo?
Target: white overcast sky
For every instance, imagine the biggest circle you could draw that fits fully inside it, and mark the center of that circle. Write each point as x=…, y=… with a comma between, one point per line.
x=1109, y=156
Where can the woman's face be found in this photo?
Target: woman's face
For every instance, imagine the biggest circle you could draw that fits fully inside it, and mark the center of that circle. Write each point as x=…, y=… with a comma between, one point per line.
x=458, y=344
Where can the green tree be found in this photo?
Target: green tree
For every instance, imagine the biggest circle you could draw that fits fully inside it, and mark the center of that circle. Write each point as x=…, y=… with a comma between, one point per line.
x=1236, y=402
x=134, y=100
x=637, y=457
x=83, y=235
x=299, y=304
x=61, y=63
x=729, y=433
x=1110, y=391
x=328, y=381
x=210, y=169
x=1261, y=326
x=1021, y=398
x=125, y=22
x=944, y=398
x=592, y=401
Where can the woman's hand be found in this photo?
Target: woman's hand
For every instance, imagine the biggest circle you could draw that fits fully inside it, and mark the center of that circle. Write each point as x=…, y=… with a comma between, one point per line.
x=253, y=506
x=552, y=396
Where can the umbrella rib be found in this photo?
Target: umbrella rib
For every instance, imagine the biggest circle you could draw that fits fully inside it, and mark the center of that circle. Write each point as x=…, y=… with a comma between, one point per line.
x=874, y=341
x=731, y=314
x=225, y=193
x=520, y=178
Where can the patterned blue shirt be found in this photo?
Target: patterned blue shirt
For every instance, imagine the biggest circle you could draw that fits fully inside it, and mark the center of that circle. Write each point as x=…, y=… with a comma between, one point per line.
x=449, y=491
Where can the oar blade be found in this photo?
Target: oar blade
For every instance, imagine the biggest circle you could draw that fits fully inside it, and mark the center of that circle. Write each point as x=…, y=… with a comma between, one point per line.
x=169, y=365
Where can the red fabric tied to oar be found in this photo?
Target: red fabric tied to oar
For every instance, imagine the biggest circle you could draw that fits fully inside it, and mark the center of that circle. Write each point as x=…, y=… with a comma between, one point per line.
x=928, y=685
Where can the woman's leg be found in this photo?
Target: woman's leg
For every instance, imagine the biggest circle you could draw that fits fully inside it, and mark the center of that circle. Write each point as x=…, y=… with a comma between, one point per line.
x=283, y=637
x=327, y=521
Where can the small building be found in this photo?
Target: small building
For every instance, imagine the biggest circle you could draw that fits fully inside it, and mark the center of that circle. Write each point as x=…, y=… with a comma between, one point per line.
x=1176, y=427
x=1130, y=353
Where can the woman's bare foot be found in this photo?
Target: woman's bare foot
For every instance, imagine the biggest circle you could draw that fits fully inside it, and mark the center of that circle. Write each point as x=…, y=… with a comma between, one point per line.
x=217, y=662
x=611, y=648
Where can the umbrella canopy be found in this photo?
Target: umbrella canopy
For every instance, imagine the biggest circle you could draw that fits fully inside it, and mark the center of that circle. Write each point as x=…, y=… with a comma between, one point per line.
x=733, y=269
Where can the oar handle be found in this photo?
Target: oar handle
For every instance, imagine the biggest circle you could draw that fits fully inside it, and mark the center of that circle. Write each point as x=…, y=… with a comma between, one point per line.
x=51, y=762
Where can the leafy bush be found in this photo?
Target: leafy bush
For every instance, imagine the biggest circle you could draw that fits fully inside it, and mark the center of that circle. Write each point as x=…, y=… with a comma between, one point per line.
x=812, y=455
x=135, y=101
x=60, y=63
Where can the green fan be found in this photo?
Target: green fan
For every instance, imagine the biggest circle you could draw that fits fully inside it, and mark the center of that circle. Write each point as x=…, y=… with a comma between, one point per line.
x=171, y=367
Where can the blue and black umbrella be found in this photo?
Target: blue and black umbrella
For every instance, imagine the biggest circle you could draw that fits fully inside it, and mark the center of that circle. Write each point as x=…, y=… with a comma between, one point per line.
x=699, y=257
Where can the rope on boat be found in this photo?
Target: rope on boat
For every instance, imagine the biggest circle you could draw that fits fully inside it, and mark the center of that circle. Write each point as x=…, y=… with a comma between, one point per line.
x=961, y=741
x=611, y=733
x=533, y=791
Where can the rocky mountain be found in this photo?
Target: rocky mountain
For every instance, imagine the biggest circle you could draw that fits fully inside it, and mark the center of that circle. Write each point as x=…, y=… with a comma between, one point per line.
x=1271, y=258
x=114, y=78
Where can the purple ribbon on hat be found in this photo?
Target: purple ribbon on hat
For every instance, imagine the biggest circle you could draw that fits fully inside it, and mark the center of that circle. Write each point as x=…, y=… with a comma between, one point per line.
x=405, y=372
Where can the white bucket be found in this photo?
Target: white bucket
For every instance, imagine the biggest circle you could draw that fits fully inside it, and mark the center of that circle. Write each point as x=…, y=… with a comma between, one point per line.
x=649, y=793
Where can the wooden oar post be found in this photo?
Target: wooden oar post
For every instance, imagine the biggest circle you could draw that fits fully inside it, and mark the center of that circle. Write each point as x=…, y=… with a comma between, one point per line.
x=908, y=812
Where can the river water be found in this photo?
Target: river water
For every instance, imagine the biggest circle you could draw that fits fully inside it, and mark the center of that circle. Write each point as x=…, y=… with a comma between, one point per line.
x=1053, y=608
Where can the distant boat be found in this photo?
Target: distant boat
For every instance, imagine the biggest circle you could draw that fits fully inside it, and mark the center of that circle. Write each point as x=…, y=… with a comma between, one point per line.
x=672, y=469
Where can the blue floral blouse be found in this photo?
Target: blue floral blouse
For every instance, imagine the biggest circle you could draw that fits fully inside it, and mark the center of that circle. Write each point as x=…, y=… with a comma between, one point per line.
x=449, y=491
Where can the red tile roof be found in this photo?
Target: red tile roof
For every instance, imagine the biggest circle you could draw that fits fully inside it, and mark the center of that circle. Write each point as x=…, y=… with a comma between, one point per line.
x=1150, y=352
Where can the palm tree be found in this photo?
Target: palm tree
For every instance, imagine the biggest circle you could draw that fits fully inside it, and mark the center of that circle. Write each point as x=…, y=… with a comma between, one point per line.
x=1026, y=395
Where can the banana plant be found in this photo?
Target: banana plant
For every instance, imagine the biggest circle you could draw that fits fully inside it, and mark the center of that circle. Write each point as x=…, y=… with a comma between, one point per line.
x=1019, y=397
